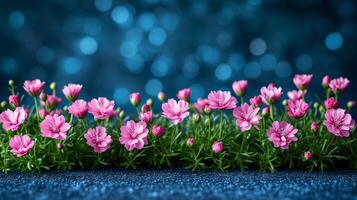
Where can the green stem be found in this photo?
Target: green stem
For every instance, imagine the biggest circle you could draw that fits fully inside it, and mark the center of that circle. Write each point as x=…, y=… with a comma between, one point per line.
x=271, y=111
x=37, y=109
x=241, y=100
x=221, y=125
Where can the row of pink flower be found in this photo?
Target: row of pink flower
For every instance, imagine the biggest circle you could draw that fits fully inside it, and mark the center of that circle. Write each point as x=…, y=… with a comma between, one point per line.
x=134, y=135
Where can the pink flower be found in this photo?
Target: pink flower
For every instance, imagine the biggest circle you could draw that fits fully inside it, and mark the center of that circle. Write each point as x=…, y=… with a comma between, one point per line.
x=302, y=81
x=307, y=155
x=133, y=135
x=246, y=117
x=256, y=101
x=101, y=108
x=158, y=131
x=331, y=103
x=71, y=91
x=201, y=104
x=326, y=81
x=146, y=116
x=176, y=112
x=271, y=94
x=184, y=94
x=79, y=108
x=54, y=126
x=221, y=100
x=240, y=87
x=14, y=100
x=338, y=122
x=161, y=96
x=282, y=134
x=135, y=99
x=217, y=147
x=34, y=87
x=12, y=120
x=190, y=141
x=98, y=139
x=314, y=127
x=21, y=145
x=296, y=94
x=338, y=85
x=297, y=108
x=51, y=101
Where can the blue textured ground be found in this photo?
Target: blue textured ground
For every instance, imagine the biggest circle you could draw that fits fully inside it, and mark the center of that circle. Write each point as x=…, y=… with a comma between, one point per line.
x=178, y=184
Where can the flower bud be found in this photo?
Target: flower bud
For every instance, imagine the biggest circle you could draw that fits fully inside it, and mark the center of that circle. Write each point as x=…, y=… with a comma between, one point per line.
x=316, y=105
x=285, y=102
x=135, y=99
x=14, y=100
x=11, y=83
x=190, y=141
x=314, y=127
x=240, y=87
x=53, y=86
x=217, y=147
x=122, y=114
x=3, y=104
x=184, y=94
x=326, y=81
x=307, y=155
x=60, y=146
x=150, y=102
x=158, y=131
x=331, y=103
x=351, y=104
x=43, y=96
x=145, y=108
x=161, y=96
x=197, y=117
x=207, y=110
x=265, y=111
x=322, y=109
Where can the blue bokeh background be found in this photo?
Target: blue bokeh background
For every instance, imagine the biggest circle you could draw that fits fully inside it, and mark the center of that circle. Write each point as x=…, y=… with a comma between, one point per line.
x=117, y=47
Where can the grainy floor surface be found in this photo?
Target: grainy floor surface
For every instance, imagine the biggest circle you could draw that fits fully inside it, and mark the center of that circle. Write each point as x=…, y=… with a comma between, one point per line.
x=178, y=184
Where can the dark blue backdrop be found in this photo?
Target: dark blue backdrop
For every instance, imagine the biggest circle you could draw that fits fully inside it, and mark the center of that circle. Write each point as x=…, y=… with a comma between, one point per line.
x=117, y=47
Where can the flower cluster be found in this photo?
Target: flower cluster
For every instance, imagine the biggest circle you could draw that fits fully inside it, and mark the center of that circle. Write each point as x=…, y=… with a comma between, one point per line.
x=220, y=131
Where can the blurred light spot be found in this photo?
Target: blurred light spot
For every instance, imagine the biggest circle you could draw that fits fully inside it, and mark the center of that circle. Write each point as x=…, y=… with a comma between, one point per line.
x=208, y=54
x=224, y=39
x=146, y=21
x=198, y=91
x=190, y=67
x=268, y=62
x=121, y=96
x=135, y=64
x=37, y=72
x=237, y=61
x=161, y=66
x=223, y=72
x=257, y=46
x=8, y=66
x=128, y=49
x=44, y=55
x=252, y=70
x=134, y=35
x=103, y=5
x=92, y=26
x=88, y=45
x=121, y=15
x=71, y=65
x=16, y=19
x=345, y=9
x=170, y=22
x=153, y=87
x=304, y=62
x=255, y=2
x=283, y=69
x=157, y=36
x=334, y=41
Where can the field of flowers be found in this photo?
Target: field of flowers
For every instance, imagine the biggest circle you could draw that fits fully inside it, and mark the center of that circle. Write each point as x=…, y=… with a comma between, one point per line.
x=223, y=132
